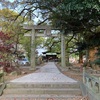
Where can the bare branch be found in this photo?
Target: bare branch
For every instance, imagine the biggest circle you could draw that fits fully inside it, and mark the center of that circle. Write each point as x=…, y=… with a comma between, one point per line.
x=22, y=12
x=43, y=21
x=70, y=40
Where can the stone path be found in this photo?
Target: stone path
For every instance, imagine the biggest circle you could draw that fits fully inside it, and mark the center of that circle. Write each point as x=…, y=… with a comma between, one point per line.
x=47, y=73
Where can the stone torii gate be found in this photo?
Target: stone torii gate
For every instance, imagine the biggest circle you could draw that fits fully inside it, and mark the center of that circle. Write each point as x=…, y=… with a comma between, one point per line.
x=47, y=32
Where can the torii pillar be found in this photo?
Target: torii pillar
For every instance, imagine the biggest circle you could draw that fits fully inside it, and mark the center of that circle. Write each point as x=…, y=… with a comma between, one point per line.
x=33, y=50
x=63, y=55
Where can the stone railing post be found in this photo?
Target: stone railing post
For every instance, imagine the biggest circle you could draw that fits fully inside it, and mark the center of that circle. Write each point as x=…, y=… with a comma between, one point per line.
x=99, y=84
x=1, y=75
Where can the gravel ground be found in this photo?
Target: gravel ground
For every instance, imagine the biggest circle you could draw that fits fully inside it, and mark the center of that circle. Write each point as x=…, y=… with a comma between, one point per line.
x=75, y=74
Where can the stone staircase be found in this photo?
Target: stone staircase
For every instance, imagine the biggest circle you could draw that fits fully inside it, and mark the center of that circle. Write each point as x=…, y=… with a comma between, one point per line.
x=42, y=91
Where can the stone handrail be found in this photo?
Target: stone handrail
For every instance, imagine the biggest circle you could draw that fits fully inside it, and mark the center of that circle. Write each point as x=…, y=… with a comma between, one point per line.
x=1, y=76
x=2, y=83
x=92, y=82
x=2, y=87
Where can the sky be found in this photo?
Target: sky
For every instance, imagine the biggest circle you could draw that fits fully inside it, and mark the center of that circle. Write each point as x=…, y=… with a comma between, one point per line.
x=11, y=0
x=41, y=50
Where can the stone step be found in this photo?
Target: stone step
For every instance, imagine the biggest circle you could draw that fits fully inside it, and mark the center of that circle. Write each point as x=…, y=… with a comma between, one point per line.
x=40, y=97
x=43, y=85
x=31, y=91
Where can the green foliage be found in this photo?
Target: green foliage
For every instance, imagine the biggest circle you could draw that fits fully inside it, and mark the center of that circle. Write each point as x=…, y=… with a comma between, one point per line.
x=81, y=46
x=70, y=15
x=76, y=15
x=8, y=24
x=52, y=44
x=94, y=39
x=26, y=42
x=97, y=61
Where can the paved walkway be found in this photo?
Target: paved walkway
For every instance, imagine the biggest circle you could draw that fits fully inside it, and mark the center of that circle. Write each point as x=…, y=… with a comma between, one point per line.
x=48, y=73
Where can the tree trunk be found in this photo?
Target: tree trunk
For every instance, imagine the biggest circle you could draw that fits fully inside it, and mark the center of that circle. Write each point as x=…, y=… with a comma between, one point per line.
x=80, y=57
x=67, y=55
x=87, y=55
x=92, y=53
x=67, y=58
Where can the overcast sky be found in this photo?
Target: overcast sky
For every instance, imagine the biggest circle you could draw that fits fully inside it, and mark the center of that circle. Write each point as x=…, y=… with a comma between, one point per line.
x=11, y=0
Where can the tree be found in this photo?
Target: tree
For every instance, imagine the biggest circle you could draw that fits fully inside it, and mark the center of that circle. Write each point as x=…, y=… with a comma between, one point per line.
x=69, y=15
x=26, y=42
x=77, y=16
x=6, y=51
x=7, y=24
x=52, y=44
x=89, y=41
